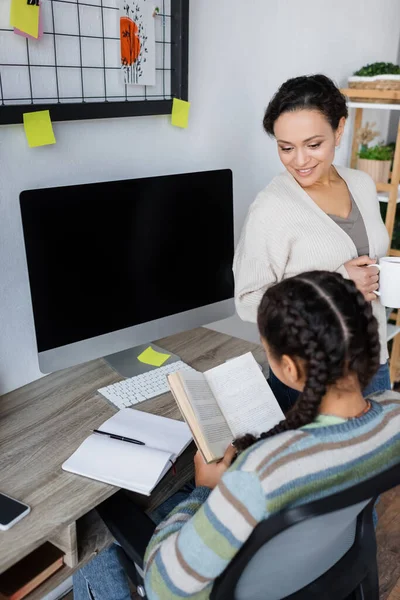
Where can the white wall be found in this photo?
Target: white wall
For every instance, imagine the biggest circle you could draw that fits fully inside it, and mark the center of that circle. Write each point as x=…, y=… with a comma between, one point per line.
x=239, y=54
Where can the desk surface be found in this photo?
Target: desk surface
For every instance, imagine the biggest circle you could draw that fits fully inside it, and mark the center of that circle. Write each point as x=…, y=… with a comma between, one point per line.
x=42, y=423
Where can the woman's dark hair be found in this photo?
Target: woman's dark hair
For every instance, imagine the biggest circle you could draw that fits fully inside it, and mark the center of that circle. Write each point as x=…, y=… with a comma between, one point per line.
x=321, y=319
x=312, y=92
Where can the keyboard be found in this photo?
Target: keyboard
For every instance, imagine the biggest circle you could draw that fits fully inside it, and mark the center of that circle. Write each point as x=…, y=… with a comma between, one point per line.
x=130, y=391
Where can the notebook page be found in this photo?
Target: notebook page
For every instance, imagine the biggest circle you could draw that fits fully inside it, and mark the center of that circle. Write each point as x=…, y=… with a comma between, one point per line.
x=208, y=414
x=135, y=468
x=244, y=396
x=155, y=431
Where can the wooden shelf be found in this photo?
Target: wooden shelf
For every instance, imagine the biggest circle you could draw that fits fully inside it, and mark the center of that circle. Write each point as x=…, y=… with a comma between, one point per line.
x=385, y=200
x=374, y=105
x=392, y=189
x=95, y=536
x=384, y=187
x=384, y=190
x=374, y=94
x=392, y=331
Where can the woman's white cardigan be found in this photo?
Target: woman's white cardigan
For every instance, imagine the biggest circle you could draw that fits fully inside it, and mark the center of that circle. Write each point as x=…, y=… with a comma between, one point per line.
x=286, y=233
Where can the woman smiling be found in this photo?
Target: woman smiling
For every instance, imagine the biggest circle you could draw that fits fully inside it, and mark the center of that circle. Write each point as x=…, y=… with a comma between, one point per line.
x=314, y=215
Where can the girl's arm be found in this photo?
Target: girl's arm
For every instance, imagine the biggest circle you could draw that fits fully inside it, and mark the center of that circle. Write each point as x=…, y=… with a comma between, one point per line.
x=199, y=538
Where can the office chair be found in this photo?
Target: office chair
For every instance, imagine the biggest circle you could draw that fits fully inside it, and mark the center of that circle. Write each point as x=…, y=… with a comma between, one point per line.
x=324, y=550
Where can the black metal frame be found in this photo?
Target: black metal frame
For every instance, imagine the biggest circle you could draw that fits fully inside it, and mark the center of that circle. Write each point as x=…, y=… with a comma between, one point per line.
x=62, y=111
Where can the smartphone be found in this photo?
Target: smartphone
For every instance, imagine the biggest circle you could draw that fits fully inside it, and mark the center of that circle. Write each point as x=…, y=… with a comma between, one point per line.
x=11, y=511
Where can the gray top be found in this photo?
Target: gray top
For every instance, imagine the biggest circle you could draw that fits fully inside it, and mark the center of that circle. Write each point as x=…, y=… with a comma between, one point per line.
x=355, y=228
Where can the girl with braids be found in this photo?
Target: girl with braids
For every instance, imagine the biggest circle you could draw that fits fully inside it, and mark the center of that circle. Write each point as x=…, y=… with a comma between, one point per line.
x=313, y=216
x=322, y=340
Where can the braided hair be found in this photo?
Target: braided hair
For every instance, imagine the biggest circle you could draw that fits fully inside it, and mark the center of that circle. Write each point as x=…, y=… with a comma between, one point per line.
x=321, y=319
x=315, y=92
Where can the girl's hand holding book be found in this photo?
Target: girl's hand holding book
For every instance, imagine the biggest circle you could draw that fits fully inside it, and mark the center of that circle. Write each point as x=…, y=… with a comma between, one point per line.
x=209, y=475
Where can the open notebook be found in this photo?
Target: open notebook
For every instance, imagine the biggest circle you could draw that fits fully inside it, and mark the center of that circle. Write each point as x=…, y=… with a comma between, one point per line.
x=224, y=403
x=126, y=465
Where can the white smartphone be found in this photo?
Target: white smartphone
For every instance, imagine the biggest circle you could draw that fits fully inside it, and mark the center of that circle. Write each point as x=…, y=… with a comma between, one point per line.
x=11, y=511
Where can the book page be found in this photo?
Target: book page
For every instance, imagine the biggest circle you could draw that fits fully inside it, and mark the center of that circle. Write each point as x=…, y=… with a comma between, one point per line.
x=132, y=467
x=124, y=464
x=207, y=412
x=155, y=431
x=244, y=396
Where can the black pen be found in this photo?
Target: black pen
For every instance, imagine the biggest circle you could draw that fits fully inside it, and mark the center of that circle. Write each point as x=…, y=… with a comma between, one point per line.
x=121, y=438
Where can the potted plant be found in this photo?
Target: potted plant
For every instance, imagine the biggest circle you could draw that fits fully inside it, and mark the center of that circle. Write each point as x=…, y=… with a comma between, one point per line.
x=377, y=76
x=374, y=160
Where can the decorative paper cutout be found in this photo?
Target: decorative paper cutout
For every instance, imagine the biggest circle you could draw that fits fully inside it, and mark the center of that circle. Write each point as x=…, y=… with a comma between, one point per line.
x=138, y=46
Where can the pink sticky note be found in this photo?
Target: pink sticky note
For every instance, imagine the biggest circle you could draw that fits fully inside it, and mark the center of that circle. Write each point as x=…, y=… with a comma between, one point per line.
x=40, y=32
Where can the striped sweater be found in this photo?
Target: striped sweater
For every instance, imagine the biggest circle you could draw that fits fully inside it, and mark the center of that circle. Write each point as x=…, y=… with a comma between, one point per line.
x=202, y=534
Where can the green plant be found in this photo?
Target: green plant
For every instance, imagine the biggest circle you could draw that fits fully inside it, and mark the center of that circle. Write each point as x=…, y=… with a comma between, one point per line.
x=378, y=152
x=378, y=68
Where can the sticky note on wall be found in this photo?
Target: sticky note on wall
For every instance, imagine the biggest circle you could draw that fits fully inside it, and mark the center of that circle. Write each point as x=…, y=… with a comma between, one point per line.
x=38, y=128
x=25, y=17
x=180, y=113
x=40, y=31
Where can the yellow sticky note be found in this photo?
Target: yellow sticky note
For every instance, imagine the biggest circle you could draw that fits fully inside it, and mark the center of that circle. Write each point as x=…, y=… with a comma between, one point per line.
x=152, y=357
x=25, y=17
x=180, y=113
x=38, y=128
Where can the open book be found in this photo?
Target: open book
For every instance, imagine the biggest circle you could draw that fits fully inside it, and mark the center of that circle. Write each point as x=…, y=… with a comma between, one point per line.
x=126, y=465
x=225, y=403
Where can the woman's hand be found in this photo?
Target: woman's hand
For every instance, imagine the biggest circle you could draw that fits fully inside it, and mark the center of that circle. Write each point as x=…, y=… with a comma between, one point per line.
x=366, y=279
x=209, y=475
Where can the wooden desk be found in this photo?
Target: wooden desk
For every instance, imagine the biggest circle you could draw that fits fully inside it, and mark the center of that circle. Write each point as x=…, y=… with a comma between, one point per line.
x=42, y=423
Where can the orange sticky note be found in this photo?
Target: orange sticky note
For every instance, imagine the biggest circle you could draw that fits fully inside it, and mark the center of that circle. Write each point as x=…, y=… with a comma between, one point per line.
x=180, y=113
x=152, y=357
x=25, y=17
x=38, y=128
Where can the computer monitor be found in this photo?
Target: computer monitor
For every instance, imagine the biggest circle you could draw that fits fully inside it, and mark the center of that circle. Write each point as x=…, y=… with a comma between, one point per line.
x=120, y=263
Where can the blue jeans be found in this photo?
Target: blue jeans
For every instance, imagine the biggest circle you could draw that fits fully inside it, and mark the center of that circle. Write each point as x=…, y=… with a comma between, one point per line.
x=286, y=396
x=103, y=578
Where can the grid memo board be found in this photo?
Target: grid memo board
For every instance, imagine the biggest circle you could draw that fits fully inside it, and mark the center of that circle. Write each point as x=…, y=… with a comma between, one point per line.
x=75, y=68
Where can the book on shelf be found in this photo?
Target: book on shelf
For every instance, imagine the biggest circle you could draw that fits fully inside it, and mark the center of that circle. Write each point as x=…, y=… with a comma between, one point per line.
x=224, y=403
x=30, y=572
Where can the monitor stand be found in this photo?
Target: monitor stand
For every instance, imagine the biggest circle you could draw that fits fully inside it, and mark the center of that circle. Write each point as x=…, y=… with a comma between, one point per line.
x=126, y=363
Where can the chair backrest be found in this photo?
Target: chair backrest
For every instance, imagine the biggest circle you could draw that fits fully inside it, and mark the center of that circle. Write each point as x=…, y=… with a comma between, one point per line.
x=298, y=555
x=292, y=548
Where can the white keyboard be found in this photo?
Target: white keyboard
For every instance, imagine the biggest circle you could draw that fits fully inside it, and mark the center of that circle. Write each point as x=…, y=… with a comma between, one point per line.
x=130, y=391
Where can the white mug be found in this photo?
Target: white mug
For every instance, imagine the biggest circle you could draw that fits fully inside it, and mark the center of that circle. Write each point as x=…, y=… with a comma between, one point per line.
x=389, y=281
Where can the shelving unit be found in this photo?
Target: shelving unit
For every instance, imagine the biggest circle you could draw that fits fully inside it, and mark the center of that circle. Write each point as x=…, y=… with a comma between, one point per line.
x=392, y=188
